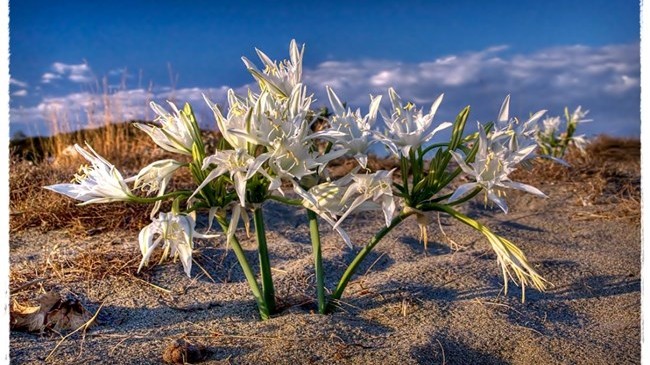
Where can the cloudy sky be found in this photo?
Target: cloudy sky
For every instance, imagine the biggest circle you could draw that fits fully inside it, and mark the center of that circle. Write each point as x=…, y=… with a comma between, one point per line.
x=79, y=62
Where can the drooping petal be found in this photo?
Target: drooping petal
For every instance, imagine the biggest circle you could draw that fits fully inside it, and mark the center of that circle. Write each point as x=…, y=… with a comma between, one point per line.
x=500, y=202
x=524, y=187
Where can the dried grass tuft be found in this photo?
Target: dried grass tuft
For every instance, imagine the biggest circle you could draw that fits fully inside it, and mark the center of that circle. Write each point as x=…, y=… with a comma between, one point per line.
x=607, y=174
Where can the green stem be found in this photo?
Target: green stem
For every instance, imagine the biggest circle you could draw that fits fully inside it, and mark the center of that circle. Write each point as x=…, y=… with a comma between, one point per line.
x=248, y=272
x=281, y=199
x=318, y=260
x=347, y=275
x=142, y=200
x=265, y=264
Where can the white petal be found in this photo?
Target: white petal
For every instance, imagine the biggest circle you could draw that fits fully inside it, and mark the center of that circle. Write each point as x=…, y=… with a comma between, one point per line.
x=527, y=188
x=462, y=191
x=436, y=104
x=185, y=253
x=460, y=160
x=504, y=111
x=499, y=201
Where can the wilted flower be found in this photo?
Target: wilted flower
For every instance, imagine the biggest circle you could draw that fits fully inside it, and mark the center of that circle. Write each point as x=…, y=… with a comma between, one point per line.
x=176, y=233
x=177, y=132
x=407, y=126
x=99, y=183
x=491, y=169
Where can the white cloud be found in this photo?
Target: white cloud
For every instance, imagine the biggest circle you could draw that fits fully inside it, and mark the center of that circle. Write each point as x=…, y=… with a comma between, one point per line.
x=19, y=93
x=48, y=77
x=80, y=73
x=604, y=80
x=18, y=83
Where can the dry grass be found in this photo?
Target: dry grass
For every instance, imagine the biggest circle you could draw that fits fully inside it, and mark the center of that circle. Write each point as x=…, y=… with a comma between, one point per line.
x=37, y=162
x=607, y=174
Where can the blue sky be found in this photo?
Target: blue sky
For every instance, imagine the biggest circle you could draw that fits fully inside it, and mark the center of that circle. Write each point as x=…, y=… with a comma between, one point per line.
x=547, y=54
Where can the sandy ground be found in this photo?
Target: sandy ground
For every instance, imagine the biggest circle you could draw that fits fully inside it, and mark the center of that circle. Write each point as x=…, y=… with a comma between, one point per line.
x=408, y=305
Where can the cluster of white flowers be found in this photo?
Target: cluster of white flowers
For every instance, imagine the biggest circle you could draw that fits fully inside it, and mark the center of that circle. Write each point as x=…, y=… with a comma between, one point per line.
x=553, y=139
x=269, y=142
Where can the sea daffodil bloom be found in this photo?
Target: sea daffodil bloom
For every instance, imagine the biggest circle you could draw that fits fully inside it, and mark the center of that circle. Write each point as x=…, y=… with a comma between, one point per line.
x=238, y=164
x=375, y=187
x=326, y=200
x=517, y=135
x=357, y=134
x=176, y=233
x=278, y=78
x=407, y=126
x=490, y=169
x=239, y=113
x=100, y=182
x=155, y=177
x=177, y=132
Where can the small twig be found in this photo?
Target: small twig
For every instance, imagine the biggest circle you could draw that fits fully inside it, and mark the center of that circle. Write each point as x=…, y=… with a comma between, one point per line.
x=27, y=284
x=167, y=291
x=443, y=352
x=204, y=271
x=373, y=264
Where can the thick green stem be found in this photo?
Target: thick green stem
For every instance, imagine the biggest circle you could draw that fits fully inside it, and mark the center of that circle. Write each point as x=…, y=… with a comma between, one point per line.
x=318, y=261
x=351, y=270
x=265, y=264
x=248, y=272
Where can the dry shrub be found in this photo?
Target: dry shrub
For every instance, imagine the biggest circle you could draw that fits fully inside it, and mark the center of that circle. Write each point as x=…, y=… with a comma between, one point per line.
x=608, y=173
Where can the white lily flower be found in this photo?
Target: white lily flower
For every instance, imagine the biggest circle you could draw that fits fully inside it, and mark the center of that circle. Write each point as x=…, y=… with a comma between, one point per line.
x=99, y=183
x=154, y=178
x=238, y=164
x=580, y=142
x=335, y=201
x=283, y=128
x=176, y=233
x=326, y=200
x=376, y=187
x=407, y=126
x=358, y=135
x=239, y=113
x=517, y=135
x=177, y=132
x=280, y=78
x=490, y=169
x=551, y=125
x=292, y=157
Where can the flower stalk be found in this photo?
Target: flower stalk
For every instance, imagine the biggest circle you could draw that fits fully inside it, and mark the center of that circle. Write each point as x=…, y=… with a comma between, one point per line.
x=268, y=291
x=318, y=261
x=262, y=306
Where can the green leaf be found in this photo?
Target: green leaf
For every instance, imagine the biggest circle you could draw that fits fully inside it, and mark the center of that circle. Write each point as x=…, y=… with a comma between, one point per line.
x=459, y=128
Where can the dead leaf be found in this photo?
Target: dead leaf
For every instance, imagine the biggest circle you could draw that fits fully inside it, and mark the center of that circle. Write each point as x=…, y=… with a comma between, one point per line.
x=53, y=313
